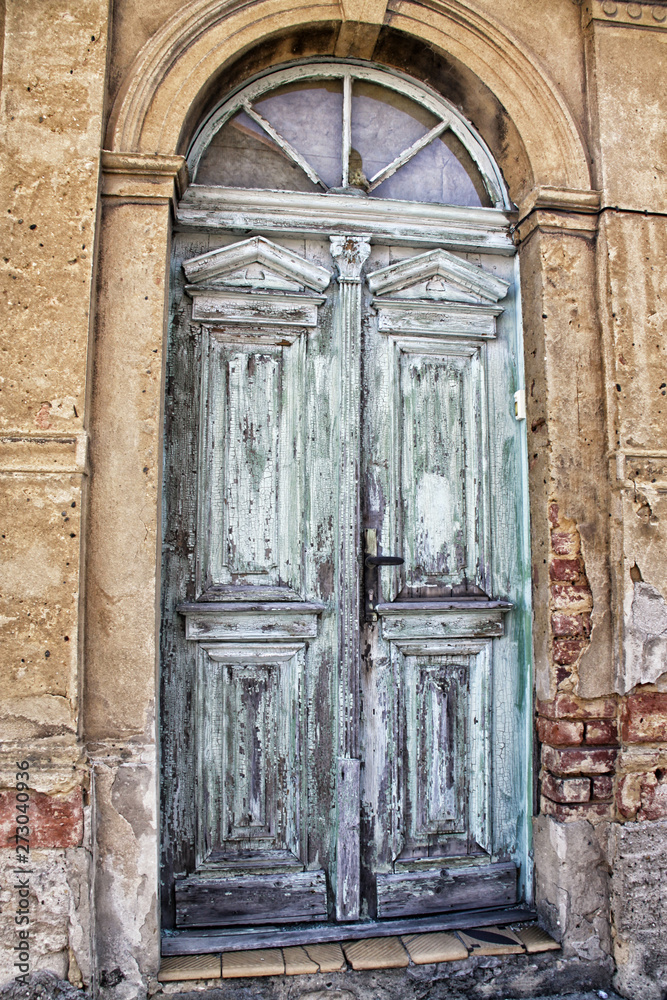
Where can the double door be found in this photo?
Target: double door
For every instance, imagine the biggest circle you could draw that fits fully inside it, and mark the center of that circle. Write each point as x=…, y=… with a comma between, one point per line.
x=344, y=663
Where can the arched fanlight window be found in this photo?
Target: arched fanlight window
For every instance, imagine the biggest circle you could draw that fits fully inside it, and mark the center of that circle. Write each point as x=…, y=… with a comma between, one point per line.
x=346, y=129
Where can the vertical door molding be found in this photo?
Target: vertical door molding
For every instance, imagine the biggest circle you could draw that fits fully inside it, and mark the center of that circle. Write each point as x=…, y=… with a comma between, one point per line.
x=350, y=254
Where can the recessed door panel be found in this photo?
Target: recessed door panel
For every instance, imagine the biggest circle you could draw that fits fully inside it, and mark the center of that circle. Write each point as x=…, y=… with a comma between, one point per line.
x=433, y=469
x=251, y=746
x=251, y=484
x=441, y=733
x=250, y=491
x=441, y=481
x=436, y=699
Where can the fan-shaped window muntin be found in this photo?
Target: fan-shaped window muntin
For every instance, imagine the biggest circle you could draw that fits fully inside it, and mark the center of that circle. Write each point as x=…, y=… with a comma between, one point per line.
x=346, y=129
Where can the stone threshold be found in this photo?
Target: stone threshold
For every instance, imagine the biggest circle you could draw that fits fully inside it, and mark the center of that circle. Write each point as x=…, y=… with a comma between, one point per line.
x=395, y=952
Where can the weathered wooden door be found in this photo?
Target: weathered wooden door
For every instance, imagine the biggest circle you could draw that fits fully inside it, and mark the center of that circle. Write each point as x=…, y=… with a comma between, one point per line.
x=441, y=468
x=266, y=620
x=345, y=589
x=354, y=403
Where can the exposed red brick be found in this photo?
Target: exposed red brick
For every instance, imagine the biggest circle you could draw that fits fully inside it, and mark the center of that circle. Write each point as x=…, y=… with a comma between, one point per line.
x=644, y=718
x=565, y=570
x=561, y=732
x=602, y=732
x=562, y=674
x=568, y=762
x=603, y=788
x=53, y=820
x=553, y=514
x=563, y=625
x=591, y=811
x=567, y=651
x=567, y=706
x=654, y=799
x=565, y=543
x=571, y=597
x=566, y=789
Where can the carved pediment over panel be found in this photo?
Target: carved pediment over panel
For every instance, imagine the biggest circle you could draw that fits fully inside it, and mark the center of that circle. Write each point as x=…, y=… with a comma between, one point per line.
x=437, y=294
x=256, y=264
x=438, y=276
x=255, y=283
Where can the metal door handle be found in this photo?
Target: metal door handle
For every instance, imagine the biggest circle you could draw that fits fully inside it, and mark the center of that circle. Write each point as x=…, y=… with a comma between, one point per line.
x=372, y=563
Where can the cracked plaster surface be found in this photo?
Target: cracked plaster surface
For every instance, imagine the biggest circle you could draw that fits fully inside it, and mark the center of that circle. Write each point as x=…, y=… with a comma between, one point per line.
x=645, y=636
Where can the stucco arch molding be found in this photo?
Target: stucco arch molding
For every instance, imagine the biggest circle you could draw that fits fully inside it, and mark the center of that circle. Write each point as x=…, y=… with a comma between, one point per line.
x=176, y=63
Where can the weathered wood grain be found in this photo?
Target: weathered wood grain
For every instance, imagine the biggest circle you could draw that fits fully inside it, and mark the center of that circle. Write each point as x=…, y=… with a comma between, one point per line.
x=281, y=214
x=348, y=889
x=178, y=661
x=431, y=460
x=511, y=570
x=245, y=621
x=193, y=942
x=249, y=781
x=350, y=253
x=441, y=624
x=224, y=306
x=211, y=902
x=439, y=495
x=251, y=730
x=446, y=889
x=251, y=861
x=441, y=730
x=436, y=319
x=470, y=278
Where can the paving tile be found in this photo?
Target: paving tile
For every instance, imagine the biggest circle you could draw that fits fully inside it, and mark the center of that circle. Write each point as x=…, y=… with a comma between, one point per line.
x=329, y=957
x=491, y=941
x=376, y=953
x=535, y=939
x=262, y=962
x=297, y=962
x=435, y=947
x=178, y=967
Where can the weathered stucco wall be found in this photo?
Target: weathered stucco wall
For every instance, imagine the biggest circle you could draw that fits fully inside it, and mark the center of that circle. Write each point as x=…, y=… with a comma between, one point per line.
x=52, y=108
x=570, y=100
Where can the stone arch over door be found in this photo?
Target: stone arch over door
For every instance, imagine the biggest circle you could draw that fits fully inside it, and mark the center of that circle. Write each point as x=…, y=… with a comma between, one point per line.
x=145, y=140
x=153, y=108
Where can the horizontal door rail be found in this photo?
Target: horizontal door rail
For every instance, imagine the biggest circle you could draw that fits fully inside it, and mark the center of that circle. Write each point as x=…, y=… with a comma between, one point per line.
x=214, y=941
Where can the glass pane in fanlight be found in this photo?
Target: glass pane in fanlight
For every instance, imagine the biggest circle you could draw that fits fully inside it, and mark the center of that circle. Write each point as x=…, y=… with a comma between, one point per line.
x=310, y=116
x=443, y=173
x=384, y=123
x=241, y=154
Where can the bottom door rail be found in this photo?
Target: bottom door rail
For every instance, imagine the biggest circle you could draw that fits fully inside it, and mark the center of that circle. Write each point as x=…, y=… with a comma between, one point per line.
x=440, y=889
x=245, y=899
x=214, y=941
